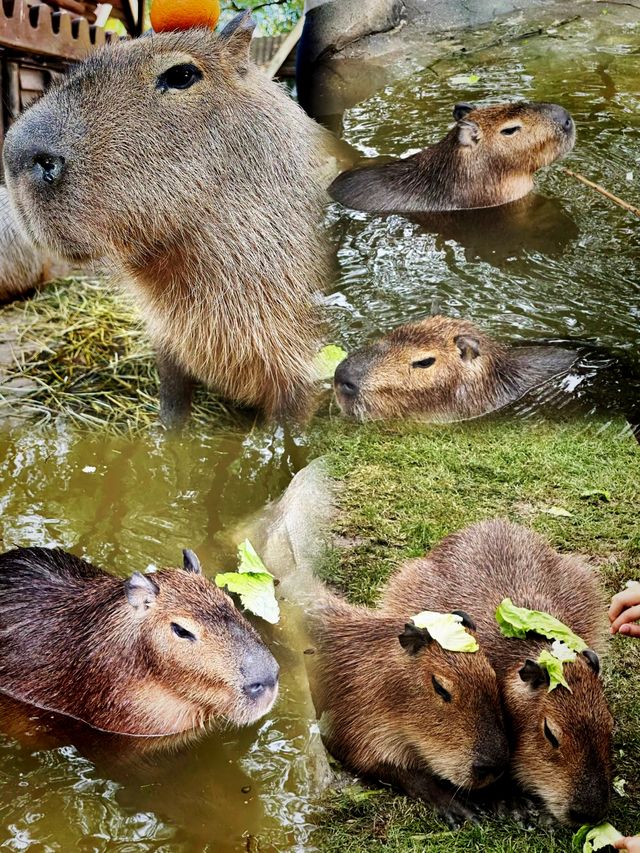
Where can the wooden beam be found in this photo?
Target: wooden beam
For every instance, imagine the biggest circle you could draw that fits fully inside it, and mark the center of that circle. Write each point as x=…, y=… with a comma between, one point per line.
x=285, y=49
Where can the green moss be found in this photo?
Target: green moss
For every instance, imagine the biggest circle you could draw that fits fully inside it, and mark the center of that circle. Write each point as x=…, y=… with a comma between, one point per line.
x=404, y=488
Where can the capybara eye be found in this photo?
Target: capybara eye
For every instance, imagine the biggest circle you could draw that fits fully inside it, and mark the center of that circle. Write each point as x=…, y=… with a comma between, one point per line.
x=509, y=131
x=178, y=77
x=553, y=740
x=424, y=362
x=440, y=690
x=181, y=632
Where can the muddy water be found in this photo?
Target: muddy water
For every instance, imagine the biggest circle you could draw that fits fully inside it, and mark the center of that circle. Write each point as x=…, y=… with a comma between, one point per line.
x=563, y=265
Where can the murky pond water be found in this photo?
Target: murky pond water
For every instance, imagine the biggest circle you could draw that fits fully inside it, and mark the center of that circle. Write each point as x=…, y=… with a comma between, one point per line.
x=563, y=265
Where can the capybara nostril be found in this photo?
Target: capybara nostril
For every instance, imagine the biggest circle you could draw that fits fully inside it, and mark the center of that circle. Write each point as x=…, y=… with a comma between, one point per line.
x=487, y=769
x=258, y=688
x=345, y=381
x=48, y=167
x=579, y=817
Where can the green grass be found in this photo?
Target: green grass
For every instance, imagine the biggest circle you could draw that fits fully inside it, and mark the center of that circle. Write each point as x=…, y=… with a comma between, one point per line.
x=403, y=489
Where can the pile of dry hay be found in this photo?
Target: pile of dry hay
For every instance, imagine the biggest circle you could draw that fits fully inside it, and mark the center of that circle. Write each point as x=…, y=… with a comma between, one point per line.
x=81, y=353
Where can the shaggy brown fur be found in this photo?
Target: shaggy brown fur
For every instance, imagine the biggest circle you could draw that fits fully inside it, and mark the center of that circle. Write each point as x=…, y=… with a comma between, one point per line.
x=487, y=159
x=206, y=199
x=23, y=267
x=561, y=740
x=114, y=653
x=442, y=369
x=384, y=712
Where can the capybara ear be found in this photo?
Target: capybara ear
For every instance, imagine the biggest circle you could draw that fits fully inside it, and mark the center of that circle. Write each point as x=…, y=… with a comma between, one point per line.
x=593, y=660
x=533, y=674
x=468, y=132
x=467, y=621
x=461, y=110
x=141, y=591
x=469, y=347
x=190, y=561
x=413, y=639
x=236, y=38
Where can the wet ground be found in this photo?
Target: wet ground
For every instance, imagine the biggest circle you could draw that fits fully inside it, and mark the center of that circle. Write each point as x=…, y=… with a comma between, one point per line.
x=560, y=265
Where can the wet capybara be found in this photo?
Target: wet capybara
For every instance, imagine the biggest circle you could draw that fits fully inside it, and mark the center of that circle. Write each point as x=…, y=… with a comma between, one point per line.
x=442, y=369
x=488, y=158
x=560, y=739
x=153, y=654
x=397, y=707
x=23, y=266
x=199, y=180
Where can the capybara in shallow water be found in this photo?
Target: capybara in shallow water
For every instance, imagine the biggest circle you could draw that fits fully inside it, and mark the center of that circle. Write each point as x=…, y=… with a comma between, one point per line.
x=399, y=708
x=152, y=654
x=488, y=158
x=176, y=159
x=442, y=369
x=561, y=739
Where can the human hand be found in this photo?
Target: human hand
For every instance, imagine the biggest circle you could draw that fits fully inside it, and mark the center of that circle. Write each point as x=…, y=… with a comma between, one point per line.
x=632, y=845
x=625, y=611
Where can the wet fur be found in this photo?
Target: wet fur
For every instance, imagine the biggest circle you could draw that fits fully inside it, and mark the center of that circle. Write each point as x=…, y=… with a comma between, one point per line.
x=454, y=387
x=449, y=175
x=71, y=642
x=474, y=570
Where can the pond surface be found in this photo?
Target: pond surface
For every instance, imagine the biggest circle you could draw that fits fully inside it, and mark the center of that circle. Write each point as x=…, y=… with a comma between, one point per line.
x=563, y=265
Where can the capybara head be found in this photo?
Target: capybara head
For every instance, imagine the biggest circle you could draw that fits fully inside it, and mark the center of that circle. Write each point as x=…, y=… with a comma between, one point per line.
x=129, y=148
x=196, y=642
x=512, y=141
x=563, y=739
x=393, y=696
x=429, y=368
x=455, y=701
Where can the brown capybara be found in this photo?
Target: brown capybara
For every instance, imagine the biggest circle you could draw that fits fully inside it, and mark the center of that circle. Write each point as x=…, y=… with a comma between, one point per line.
x=174, y=158
x=154, y=654
x=397, y=707
x=560, y=739
x=442, y=369
x=488, y=158
x=23, y=266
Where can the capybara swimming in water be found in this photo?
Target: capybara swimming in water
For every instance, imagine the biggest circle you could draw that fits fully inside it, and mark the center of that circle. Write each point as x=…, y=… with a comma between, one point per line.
x=152, y=654
x=488, y=158
x=561, y=739
x=399, y=708
x=442, y=369
x=199, y=180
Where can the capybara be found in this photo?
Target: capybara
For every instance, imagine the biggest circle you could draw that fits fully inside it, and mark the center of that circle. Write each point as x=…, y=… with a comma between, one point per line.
x=23, y=266
x=173, y=157
x=153, y=654
x=399, y=708
x=560, y=739
x=488, y=158
x=442, y=369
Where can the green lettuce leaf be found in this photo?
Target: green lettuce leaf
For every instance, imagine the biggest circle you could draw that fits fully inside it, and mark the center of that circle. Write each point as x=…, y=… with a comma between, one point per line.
x=327, y=360
x=518, y=622
x=253, y=582
x=597, y=837
x=554, y=668
x=447, y=630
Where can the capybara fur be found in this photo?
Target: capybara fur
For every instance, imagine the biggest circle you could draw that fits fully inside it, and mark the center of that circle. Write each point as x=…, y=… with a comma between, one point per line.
x=23, y=266
x=174, y=158
x=560, y=739
x=442, y=369
x=152, y=654
x=488, y=158
x=398, y=708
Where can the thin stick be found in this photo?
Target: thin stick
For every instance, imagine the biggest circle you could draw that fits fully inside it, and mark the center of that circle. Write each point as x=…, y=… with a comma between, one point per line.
x=602, y=191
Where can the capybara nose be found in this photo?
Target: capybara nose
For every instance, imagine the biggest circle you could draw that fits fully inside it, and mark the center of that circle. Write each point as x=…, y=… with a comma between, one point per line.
x=487, y=769
x=261, y=675
x=561, y=116
x=580, y=816
x=258, y=688
x=47, y=167
x=344, y=380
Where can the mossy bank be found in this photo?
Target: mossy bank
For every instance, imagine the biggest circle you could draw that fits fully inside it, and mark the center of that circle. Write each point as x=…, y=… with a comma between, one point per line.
x=404, y=487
